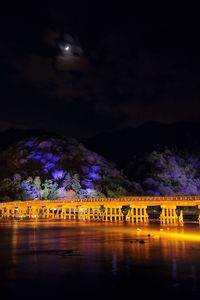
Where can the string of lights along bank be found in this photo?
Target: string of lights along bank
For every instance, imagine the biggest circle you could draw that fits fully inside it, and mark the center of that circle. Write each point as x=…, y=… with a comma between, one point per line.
x=130, y=209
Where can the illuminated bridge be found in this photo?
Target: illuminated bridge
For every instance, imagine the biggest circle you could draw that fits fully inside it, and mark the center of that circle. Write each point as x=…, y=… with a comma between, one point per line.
x=131, y=209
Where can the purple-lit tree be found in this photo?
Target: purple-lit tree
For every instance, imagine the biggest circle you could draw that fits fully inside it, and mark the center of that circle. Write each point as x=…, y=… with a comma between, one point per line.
x=50, y=162
x=67, y=182
x=58, y=175
x=30, y=190
x=169, y=172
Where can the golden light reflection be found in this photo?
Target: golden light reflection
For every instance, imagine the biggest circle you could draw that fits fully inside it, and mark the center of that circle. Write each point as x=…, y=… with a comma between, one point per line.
x=40, y=242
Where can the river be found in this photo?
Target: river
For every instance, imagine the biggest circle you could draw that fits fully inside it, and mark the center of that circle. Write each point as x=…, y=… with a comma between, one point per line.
x=94, y=260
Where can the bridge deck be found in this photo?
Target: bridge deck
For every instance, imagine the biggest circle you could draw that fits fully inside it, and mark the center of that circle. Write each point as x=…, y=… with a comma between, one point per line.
x=138, y=201
x=133, y=209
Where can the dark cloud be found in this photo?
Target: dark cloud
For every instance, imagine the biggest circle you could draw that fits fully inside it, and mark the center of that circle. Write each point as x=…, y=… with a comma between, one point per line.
x=136, y=67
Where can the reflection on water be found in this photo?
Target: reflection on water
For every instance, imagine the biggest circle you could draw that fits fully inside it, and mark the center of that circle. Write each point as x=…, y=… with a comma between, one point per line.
x=97, y=260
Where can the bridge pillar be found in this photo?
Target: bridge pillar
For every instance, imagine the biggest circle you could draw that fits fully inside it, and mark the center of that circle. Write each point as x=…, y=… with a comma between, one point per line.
x=90, y=213
x=106, y=213
x=180, y=218
x=37, y=212
x=59, y=212
x=11, y=213
x=47, y=211
x=21, y=211
x=7, y=212
x=94, y=211
x=53, y=212
x=15, y=212
x=72, y=213
x=50, y=212
x=43, y=212
x=33, y=212
x=81, y=213
x=69, y=213
x=115, y=216
x=63, y=213
x=40, y=212
x=28, y=212
x=120, y=214
x=168, y=214
x=86, y=213
x=50, y=209
x=56, y=213
x=112, y=213
x=137, y=214
x=115, y=213
x=16, y=209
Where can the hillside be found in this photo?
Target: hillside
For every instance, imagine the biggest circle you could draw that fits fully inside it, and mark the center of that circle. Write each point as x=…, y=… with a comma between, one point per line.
x=120, y=146
x=50, y=167
x=153, y=159
x=159, y=159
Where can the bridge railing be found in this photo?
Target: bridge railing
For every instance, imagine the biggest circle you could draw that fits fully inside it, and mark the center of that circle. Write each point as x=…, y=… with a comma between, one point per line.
x=100, y=200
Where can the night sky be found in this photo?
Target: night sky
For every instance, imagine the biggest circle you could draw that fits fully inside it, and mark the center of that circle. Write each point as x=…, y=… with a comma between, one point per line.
x=135, y=65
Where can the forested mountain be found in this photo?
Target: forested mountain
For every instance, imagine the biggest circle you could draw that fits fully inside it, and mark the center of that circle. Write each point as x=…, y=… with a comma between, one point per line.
x=45, y=167
x=153, y=159
x=166, y=172
x=120, y=146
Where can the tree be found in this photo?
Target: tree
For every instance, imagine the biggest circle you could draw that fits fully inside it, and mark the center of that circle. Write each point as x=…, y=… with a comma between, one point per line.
x=76, y=184
x=49, y=189
x=6, y=189
x=17, y=182
x=61, y=193
x=37, y=183
x=168, y=172
x=67, y=182
x=116, y=191
x=6, y=185
x=29, y=190
x=70, y=194
x=90, y=193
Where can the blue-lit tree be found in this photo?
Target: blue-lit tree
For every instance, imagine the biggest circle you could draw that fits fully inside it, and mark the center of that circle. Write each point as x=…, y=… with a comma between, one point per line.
x=30, y=190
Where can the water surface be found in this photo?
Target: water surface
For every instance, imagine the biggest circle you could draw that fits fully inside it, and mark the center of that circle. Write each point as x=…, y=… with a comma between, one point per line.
x=47, y=260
